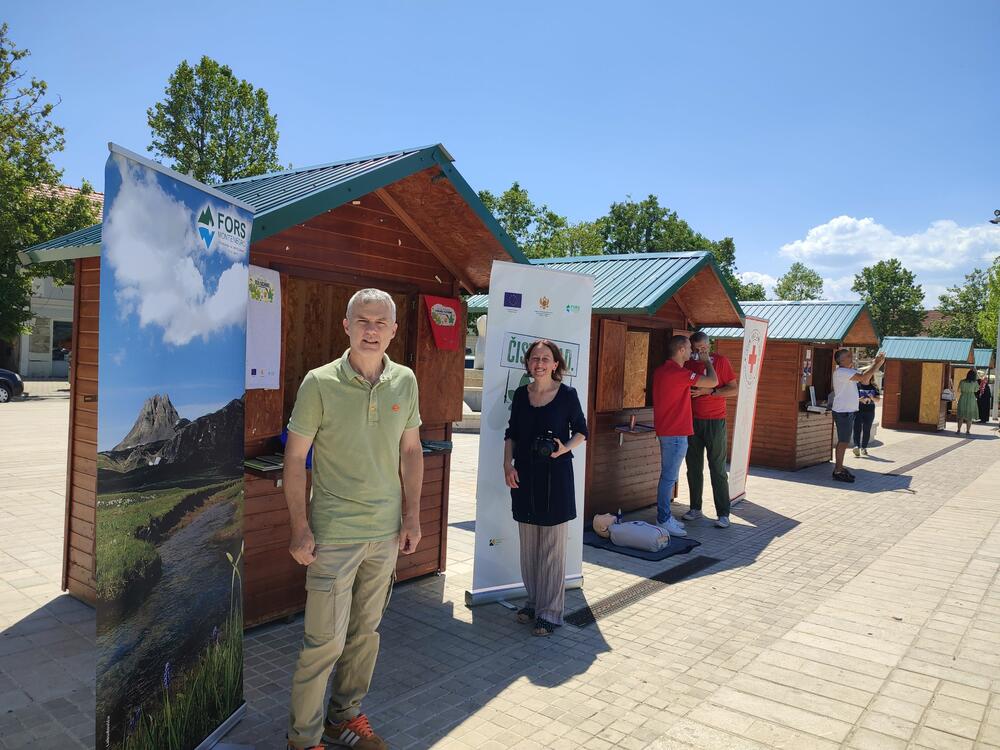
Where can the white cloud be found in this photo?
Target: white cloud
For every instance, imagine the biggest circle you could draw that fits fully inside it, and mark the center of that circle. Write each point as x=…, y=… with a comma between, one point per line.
x=755, y=277
x=939, y=256
x=160, y=263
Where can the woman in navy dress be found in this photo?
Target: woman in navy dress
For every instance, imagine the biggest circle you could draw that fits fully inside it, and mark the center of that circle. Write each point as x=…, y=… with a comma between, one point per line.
x=546, y=425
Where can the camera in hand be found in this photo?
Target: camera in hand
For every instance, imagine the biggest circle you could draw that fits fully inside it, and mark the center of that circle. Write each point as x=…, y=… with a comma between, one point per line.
x=545, y=445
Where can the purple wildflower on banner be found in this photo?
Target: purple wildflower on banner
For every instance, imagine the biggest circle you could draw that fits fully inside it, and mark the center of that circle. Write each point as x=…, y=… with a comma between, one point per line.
x=215, y=636
x=133, y=719
x=166, y=676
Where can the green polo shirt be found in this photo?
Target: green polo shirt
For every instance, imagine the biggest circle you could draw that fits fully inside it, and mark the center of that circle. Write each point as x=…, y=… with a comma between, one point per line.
x=355, y=428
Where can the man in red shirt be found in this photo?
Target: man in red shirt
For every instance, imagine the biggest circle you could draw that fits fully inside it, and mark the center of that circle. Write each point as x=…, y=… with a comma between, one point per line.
x=709, y=409
x=672, y=384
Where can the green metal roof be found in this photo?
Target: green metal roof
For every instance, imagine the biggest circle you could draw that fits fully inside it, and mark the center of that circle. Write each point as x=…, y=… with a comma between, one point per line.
x=812, y=320
x=982, y=359
x=630, y=284
x=927, y=349
x=284, y=199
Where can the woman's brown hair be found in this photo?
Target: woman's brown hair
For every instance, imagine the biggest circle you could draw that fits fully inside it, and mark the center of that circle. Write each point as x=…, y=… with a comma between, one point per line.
x=556, y=355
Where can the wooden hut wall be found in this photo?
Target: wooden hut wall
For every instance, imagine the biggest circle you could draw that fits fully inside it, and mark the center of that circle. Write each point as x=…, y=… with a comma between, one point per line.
x=81, y=463
x=625, y=476
x=784, y=436
x=911, y=395
x=360, y=244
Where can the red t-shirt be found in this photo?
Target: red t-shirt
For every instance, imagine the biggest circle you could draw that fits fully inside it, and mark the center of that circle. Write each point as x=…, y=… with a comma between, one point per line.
x=672, y=400
x=711, y=407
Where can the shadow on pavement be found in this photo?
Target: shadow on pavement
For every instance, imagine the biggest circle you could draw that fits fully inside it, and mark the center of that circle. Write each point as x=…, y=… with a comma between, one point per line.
x=435, y=669
x=47, y=667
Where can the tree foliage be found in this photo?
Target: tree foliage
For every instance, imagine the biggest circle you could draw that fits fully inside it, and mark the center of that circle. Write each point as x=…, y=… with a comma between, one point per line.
x=894, y=300
x=212, y=125
x=31, y=210
x=986, y=324
x=629, y=227
x=962, y=307
x=533, y=227
x=799, y=283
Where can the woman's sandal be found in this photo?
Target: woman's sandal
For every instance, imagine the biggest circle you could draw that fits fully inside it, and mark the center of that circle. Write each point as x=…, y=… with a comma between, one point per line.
x=525, y=615
x=543, y=627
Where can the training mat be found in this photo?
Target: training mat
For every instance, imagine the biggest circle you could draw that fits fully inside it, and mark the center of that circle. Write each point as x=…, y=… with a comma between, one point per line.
x=679, y=545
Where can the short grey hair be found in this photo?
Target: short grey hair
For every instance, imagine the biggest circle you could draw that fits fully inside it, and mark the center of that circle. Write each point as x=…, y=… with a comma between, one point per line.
x=367, y=296
x=839, y=355
x=698, y=336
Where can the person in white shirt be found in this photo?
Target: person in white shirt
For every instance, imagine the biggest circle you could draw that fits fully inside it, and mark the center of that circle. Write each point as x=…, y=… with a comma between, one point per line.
x=845, y=403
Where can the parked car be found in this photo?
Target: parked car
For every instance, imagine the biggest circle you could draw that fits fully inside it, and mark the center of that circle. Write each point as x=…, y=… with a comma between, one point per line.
x=11, y=385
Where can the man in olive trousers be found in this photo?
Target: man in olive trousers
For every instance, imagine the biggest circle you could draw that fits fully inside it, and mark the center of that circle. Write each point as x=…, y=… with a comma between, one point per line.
x=359, y=415
x=709, y=410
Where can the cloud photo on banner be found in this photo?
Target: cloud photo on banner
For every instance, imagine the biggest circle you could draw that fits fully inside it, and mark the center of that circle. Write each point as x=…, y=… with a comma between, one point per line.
x=939, y=256
x=164, y=274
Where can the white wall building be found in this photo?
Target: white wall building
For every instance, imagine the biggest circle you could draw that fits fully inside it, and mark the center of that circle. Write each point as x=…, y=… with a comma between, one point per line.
x=45, y=351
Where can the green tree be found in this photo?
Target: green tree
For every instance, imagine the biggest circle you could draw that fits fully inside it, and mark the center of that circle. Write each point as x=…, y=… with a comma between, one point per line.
x=533, y=227
x=31, y=210
x=647, y=227
x=212, y=125
x=986, y=323
x=583, y=238
x=962, y=306
x=749, y=291
x=894, y=300
x=799, y=283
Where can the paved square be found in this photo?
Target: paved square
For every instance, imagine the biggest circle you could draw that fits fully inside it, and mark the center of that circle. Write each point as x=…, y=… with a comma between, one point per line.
x=853, y=616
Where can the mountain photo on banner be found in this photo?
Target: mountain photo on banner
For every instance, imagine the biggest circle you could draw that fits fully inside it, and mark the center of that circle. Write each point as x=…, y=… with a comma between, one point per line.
x=174, y=282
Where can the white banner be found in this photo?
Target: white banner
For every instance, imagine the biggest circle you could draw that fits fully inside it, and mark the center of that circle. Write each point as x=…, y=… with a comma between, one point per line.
x=754, y=341
x=526, y=303
x=263, y=329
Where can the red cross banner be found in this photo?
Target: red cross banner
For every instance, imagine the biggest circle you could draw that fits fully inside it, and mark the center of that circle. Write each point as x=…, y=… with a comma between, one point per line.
x=445, y=320
x=754, y=340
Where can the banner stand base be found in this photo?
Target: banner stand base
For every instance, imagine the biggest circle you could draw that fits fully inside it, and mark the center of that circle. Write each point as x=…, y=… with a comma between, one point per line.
x=738, y=499
x=514, y=591
x=213, y=739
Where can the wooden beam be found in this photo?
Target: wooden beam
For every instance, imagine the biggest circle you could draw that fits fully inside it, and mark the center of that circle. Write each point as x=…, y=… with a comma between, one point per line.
x=426, y=240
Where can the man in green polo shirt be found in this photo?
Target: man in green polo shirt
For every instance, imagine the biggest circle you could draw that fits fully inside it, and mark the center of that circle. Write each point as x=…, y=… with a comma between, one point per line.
x=359, y=415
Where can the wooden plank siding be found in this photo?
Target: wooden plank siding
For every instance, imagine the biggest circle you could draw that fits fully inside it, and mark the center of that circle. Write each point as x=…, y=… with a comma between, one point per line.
x=784, y=435
x=81, y=471
x=903, y=382
x=322, y=261
x=623, y=475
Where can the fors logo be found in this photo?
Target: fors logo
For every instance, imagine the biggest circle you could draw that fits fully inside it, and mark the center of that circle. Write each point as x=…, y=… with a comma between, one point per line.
x=204, y=224
x=221, y=223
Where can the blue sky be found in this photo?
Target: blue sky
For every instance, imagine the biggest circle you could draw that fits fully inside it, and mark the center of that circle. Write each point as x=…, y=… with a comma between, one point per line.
x=836, y=134
x=172, y=310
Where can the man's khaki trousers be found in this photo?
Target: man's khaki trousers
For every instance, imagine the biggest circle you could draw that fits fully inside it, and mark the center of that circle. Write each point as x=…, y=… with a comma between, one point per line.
x=347, y=591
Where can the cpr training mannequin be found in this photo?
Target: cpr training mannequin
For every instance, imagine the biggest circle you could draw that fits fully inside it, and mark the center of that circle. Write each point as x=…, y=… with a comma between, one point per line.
x=634, y=534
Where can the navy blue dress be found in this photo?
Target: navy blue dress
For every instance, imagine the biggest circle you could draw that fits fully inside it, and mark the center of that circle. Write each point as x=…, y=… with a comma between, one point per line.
x=546, y=495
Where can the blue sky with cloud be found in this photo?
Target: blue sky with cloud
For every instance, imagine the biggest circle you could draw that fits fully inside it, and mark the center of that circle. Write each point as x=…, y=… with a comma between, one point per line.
x=173, y=311
x=831, y=133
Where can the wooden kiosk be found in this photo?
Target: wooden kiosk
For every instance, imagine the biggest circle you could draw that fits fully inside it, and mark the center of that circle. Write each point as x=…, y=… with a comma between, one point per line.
x=917, y=370
x=801, y=340
x=406, y=222
x=640, y=301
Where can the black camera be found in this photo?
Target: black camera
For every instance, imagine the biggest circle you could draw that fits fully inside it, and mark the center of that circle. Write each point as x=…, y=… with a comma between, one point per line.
x=545, y=445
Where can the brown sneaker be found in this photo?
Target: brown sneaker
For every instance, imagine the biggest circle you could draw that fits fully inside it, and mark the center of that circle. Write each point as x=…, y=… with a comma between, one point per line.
x=356, y=733
x=311, y=747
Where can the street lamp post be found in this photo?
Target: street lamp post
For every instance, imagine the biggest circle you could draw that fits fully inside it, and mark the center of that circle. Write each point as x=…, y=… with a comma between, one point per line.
x=996, y=369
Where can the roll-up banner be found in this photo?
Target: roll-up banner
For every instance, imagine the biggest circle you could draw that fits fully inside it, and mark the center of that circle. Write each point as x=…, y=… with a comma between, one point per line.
x=526, y=303
x=168, y=537
x=754, y=341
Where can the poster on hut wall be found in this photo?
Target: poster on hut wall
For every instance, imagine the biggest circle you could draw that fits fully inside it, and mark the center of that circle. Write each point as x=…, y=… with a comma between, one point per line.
x=170, y=458
x=754, y=341
x=526, y=303
x=263, y=329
